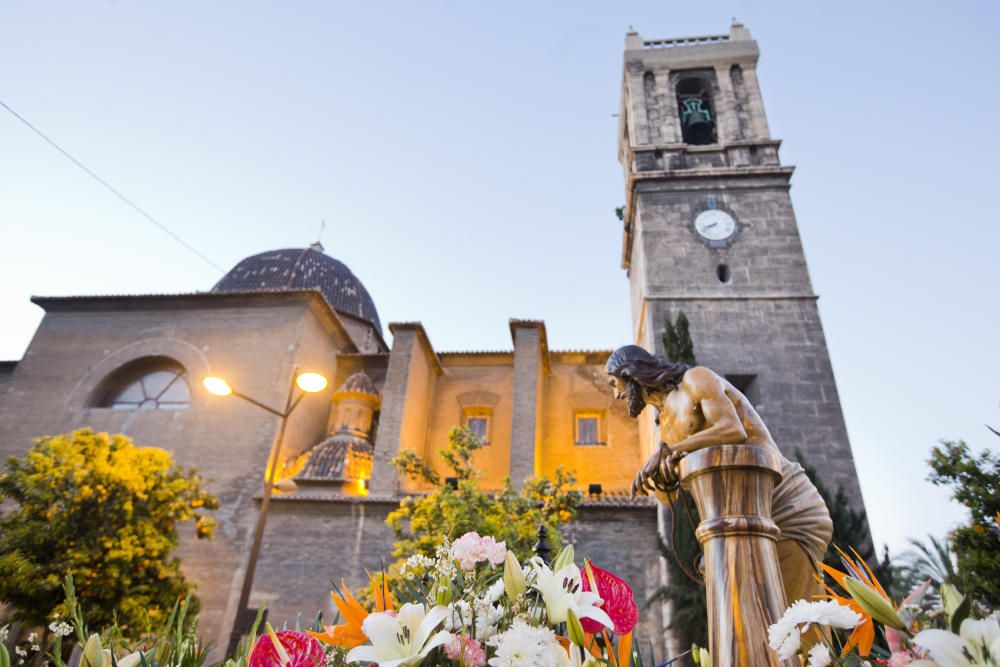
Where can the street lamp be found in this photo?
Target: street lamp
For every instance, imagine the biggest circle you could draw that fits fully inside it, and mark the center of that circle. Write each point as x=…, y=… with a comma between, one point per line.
x=309, y=382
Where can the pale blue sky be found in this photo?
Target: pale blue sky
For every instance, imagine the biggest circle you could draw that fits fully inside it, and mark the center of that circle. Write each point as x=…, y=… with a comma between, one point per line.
x=463, y=156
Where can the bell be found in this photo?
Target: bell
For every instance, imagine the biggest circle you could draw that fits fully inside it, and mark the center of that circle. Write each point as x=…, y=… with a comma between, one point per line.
x=696, y=121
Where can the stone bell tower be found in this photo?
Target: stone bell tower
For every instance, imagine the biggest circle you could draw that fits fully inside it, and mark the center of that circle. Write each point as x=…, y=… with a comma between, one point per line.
x=710, y=231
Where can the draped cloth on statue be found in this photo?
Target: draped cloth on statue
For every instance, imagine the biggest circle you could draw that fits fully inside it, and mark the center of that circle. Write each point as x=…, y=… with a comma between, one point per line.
x=800, y=512
x=806, y=531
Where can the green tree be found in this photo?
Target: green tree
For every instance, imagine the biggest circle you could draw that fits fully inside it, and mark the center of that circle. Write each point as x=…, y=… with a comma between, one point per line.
x=106, y=511
x=975, y=482
x=677, y=343
x=927, y=560
x=422, y=522
x=850, y=526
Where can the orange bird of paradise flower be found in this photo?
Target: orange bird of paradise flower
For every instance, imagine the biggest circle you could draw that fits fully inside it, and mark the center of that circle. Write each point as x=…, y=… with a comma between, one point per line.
x=863, y=635
x=349, y=633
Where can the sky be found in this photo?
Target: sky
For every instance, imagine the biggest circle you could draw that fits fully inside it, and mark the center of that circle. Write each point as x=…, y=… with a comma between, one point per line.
x=463, y=158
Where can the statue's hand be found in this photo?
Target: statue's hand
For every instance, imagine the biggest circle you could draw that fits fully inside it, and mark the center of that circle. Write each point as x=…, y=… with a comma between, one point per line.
x=651, y=477
x=668, y=468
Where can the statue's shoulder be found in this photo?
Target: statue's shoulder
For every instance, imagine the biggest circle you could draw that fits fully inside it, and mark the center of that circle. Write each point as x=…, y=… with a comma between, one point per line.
x=702, y=380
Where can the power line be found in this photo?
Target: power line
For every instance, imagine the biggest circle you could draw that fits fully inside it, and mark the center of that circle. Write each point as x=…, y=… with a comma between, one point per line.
x=107, y=185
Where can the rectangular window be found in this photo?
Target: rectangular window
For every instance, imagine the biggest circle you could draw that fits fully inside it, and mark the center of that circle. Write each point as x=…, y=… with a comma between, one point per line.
x=589, y=429
x=477, y=420
x=478, y=426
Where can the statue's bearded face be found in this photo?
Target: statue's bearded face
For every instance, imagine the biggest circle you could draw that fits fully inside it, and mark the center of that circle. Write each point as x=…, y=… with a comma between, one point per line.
x=631, y=391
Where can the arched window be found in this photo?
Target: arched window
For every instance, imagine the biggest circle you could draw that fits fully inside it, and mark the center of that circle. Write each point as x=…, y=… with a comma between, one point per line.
x=697, y=114
x=151, y=383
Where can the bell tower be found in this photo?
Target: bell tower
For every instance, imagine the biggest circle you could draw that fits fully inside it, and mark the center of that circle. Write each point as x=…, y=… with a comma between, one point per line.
x=709, y=230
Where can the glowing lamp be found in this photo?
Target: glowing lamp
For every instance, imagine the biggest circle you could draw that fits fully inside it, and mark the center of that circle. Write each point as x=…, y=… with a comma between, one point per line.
x=217, y=386
x=311, y=382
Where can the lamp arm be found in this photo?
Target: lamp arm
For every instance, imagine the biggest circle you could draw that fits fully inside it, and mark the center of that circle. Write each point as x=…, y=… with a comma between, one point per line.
x=260, y=405
x=294, y=404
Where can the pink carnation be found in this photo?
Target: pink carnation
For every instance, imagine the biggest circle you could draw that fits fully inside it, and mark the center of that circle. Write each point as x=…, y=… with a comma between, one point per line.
x=472, y=548
x=467, y=649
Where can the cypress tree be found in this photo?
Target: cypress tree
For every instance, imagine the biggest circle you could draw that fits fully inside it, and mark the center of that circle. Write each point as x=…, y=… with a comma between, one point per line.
x=677, y=343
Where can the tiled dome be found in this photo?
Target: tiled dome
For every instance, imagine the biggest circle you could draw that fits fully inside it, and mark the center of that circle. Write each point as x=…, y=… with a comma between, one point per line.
x=303, y=268
x=359, y=383
x=337, y=459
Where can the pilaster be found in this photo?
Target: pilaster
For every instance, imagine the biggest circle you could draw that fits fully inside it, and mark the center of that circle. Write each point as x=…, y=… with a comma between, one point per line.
x=406, y=397
x=758, y=120
x=531, y=363
x=727, y=120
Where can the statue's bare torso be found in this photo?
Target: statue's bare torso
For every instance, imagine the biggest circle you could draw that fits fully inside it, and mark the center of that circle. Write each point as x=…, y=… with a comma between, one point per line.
x=703, y=400
x=704, y=410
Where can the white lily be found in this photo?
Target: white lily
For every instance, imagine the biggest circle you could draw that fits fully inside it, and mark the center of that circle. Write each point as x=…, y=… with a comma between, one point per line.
x=402, y=639
x=977, y=644
x=563, y=590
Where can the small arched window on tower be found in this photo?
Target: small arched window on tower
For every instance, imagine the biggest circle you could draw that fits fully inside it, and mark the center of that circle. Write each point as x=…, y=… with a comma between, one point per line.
x=150, y=383
x=696, y=112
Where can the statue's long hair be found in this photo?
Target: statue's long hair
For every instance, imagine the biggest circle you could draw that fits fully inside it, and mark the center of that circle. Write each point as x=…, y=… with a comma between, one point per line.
x=632, y=362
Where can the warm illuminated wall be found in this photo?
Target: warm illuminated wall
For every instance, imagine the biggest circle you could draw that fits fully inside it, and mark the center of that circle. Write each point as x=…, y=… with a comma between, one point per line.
x=577, y=385
x=467, y=381
x=483, y=383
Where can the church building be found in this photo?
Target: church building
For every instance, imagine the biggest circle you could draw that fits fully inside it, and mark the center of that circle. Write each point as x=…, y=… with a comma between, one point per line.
x=709, y=231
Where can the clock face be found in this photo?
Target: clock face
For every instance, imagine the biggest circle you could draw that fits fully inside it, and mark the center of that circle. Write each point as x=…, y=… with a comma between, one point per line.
x=715, y=225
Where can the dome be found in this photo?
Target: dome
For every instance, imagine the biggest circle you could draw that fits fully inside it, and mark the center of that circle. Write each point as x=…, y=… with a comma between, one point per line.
x=338, y=459
x=303, y=269
x=359, y=383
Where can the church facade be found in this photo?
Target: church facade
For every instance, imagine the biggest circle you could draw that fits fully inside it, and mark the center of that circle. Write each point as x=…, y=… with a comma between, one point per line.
x=708, y=230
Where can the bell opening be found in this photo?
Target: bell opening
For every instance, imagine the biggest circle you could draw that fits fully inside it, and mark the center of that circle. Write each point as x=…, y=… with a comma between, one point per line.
x=694, y=104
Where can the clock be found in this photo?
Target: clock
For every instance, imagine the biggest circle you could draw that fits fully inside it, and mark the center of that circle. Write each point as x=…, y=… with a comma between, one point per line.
x=715, y=225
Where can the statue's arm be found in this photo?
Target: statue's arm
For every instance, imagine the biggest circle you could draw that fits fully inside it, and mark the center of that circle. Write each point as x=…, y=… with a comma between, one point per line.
x=722, y=422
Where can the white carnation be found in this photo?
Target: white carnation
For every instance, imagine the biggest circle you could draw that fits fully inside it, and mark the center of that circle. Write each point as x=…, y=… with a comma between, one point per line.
x=526, y=646
x=785, y=636
x=819, y=656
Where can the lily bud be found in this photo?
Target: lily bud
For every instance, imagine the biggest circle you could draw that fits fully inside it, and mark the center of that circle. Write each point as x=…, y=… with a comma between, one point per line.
x=574, y=629
x=131, y=660
x=4, y=656
x=93, y=656
x=444, y=595
x=872, y=603
x=513, y=577
x=564, y=558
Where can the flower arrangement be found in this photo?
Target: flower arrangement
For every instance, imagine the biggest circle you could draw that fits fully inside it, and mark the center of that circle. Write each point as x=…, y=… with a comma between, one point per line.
x=473, y=604
x=915, y=633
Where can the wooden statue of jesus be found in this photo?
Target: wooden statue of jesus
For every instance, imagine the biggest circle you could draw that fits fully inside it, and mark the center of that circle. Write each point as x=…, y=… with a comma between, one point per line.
x=700, y=409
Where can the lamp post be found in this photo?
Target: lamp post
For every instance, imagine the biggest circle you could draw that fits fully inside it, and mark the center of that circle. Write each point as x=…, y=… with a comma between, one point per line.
x=308, y=383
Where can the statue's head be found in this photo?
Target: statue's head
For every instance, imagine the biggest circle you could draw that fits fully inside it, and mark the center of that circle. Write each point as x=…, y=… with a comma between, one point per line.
x=636, y=374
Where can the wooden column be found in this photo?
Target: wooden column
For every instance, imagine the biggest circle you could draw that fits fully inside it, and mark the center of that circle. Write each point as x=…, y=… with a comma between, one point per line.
x=732, y=486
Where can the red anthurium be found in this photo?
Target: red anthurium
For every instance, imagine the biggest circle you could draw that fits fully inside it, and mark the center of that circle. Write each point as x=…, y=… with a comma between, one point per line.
x=618, y=601
x=299, y=649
